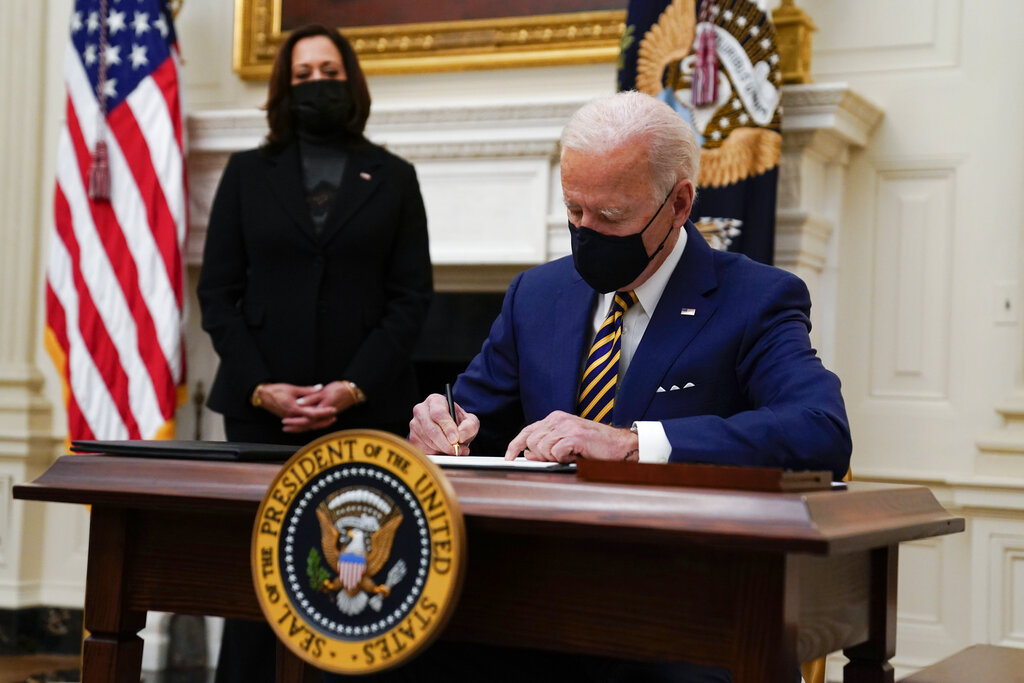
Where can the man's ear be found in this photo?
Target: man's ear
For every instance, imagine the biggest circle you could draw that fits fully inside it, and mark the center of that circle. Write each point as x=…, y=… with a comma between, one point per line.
x=683, y=202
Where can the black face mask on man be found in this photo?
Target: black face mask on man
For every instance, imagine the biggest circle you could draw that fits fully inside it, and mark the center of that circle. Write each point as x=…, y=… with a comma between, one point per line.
x=323, y=107
x=609, y=262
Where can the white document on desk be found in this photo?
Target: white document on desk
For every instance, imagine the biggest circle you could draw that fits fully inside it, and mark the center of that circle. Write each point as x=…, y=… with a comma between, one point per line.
x=493, y=463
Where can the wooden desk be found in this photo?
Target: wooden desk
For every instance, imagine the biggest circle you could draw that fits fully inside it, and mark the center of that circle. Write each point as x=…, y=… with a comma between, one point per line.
x=753, y=581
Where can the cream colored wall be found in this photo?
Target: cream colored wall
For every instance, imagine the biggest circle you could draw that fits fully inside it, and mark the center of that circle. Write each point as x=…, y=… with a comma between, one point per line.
x=31, y=571
x=928, y=294
x=927, y=248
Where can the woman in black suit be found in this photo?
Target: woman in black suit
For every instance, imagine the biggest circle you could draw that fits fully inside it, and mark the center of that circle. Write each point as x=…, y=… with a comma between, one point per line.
x=316, y=279
x=316, y=274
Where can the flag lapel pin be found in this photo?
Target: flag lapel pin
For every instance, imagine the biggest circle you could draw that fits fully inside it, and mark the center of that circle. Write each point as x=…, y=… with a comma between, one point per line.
x=688, y=311
x=364, y=175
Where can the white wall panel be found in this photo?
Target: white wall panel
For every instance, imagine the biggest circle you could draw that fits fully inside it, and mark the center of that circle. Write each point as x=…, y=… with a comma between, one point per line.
x=64, y=555
x=911, y=289
x=872, y=36
x=933, y=604
x=920, y=584
x=1007, y=589
x=998, y=589
x=461, y=199
x=1013, y=568
x=204, y=36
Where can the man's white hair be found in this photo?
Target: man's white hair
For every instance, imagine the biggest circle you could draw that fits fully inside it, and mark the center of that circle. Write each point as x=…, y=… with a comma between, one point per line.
x=609, y=122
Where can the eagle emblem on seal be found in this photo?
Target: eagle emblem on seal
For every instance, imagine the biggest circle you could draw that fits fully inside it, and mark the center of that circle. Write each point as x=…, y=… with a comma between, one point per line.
x=716, y=63
x=357, y=530
x=738, y=125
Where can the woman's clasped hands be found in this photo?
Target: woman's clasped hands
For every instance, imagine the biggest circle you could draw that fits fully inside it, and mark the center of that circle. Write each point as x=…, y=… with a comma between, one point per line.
x=306, y=408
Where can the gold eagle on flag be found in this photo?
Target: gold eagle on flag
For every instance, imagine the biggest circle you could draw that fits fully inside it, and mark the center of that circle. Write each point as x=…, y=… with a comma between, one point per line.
x=739, y=126
x=357, y=523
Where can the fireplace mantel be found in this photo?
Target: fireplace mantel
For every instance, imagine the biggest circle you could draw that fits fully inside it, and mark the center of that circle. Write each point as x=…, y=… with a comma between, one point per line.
x=489, y=175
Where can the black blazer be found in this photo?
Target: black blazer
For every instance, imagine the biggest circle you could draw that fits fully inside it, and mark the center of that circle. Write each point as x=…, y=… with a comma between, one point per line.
x=282, y=304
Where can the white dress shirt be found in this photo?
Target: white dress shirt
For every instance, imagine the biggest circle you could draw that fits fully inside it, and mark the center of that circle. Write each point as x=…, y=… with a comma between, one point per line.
x=654, y=444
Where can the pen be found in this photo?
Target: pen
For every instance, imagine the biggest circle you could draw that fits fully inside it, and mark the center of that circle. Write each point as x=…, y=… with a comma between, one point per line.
x=451, y=411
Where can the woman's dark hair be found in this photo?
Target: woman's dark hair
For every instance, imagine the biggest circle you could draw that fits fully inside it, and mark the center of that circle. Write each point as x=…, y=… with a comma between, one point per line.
x=279, y=96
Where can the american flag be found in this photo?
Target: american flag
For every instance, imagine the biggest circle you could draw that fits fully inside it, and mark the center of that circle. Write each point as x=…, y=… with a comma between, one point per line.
x=114, y=279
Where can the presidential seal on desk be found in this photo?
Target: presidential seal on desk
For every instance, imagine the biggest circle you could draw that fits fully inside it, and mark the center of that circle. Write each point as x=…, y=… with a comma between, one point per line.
x=358, y=552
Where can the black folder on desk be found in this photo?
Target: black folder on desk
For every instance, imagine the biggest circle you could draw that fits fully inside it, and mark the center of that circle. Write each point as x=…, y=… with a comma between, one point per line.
x=189, y=450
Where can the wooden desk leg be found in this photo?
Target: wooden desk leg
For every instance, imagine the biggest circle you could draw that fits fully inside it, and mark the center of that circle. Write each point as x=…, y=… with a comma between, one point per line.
x=291, y=669
x=869, y=661
x=769, y=600
x=113, y=651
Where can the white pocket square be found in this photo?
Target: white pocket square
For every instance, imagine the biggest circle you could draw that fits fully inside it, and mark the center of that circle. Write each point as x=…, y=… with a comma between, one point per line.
x=661, y=390
x=688, y=385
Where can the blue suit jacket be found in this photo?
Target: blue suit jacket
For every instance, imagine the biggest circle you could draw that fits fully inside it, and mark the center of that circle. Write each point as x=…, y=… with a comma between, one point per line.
x=759, y=394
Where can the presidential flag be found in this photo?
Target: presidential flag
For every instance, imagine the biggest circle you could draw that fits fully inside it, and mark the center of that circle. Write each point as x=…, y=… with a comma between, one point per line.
x=716, y=63
x=114, y=280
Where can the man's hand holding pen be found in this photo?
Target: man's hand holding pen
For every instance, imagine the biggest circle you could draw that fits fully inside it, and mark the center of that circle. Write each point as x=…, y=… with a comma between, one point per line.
x=451, y=413
x=440, y=426
x=437, y=432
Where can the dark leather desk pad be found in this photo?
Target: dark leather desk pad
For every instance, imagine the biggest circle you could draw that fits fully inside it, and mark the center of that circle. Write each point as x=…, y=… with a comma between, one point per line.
x=189, y=450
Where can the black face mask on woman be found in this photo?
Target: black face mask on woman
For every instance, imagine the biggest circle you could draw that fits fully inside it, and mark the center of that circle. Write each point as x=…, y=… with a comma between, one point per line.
x=609, y=262
x=323, y=107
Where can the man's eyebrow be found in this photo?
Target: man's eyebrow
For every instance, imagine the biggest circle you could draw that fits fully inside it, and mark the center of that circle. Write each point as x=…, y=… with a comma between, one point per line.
x=612, y=214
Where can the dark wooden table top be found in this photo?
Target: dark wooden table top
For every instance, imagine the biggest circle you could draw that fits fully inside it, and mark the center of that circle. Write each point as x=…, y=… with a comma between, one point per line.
x=821, y=522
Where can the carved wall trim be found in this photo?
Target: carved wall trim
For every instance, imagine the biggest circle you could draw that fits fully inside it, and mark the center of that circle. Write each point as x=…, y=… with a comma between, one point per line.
x=1002, y=450
x=821, y=122
x=27, y=439
x=476, y=149
x=554, y=113
x=25, y=423
x=801, y=238
x=829, y=106
x=959, y=493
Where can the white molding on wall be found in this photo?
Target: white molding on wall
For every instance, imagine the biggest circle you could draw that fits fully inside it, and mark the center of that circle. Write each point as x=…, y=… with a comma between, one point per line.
x=1002, y=450
x=924, y=34
x=833, y=109
x=932, y=619
x=821, y=123
x=493, y=151
x=25, y=414
x=27, y=442
x=913, y=230
x=224, y=130
x=998, y=581
x=958, y=493
x=69, y=594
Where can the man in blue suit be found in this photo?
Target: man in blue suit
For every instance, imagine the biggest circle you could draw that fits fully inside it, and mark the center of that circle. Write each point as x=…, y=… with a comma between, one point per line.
x=647, y=344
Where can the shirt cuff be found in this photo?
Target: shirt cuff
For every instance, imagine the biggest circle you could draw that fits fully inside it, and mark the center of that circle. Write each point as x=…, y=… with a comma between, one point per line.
x=654, y=444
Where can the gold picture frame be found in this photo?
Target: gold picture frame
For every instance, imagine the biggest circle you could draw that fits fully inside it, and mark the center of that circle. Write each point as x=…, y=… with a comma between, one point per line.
x=541, y=40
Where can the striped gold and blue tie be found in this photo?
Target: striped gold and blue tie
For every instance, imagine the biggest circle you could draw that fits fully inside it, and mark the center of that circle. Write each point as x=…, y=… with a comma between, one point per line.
x=597, y=388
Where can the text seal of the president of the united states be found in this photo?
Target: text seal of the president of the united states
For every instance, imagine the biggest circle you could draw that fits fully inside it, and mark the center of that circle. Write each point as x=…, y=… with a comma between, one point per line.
x=358, y=552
